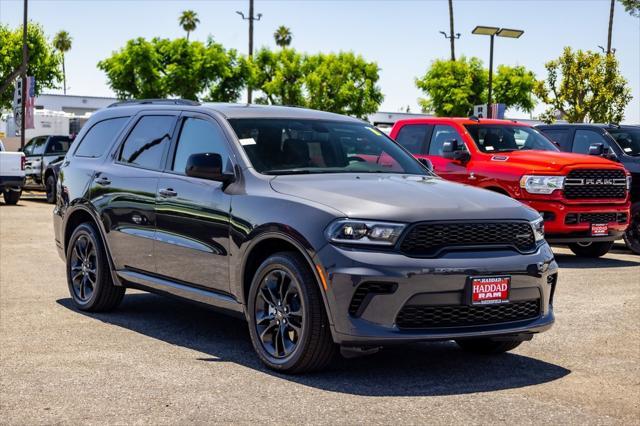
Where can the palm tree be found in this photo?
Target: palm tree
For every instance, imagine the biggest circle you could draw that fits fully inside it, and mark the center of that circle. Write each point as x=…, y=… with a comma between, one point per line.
x=189, y=21
x=62, y=42
x=283, y=36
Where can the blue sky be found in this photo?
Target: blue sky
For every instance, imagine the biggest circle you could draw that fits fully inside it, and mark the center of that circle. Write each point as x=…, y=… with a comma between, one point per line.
x=401, y=36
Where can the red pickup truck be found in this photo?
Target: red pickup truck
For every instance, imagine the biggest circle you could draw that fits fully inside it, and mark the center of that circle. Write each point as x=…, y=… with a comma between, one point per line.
x=583, y=199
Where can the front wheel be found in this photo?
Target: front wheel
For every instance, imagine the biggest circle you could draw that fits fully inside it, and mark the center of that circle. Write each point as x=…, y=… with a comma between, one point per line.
x=632, y=235
x=88, y=274
x=50, y=188
x=11, y=196
x=488, y=346
x=592, y=250
x=287, y=320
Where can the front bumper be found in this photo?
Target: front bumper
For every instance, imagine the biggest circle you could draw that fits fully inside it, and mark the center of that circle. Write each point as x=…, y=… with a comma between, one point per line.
x=556, y=215
x=429, y=282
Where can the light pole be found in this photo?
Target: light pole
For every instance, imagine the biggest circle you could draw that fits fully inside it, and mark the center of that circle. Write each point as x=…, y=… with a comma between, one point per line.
x=250, y=18
x=25, y=64
x=492, y=32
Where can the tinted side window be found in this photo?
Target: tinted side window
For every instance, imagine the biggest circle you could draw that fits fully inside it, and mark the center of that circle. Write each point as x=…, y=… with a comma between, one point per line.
x=100, y=137
x=148, y=141
x=412, y=137
x=584, y=139
x=196, y=137
x=58, y=145
x=561, y=137
x=442, y=134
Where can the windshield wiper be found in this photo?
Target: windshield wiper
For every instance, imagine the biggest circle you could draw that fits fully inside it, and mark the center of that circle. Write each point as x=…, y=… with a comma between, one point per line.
x=288, y=172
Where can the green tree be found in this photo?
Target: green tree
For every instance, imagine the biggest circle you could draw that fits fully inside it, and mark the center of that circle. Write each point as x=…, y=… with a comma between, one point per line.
x=453, y=87
x=584, y=86
x=279, y=76
x=632, y=7
x=62, y=43
x=161, y=68
x=44, y=62
x=513, y=86
x=189, y=21
x=283, y=36
x=343, y=83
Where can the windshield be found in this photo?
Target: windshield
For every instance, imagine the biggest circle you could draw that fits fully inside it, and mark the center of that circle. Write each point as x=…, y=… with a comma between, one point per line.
x=505, y=138
x=292, y=146
x=628, y=138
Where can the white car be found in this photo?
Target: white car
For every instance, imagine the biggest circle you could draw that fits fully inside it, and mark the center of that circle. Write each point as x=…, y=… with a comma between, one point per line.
x=11, y=174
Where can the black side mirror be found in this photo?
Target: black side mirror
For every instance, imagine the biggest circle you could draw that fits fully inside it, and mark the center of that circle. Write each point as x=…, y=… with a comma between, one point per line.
x=207, y=166
x=454, y=150
x=449, y=146
x=596, y=149
x=427, y=163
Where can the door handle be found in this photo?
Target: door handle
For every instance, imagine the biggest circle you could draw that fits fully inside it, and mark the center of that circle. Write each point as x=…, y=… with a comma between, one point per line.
x=103, y=181
x=167, y=192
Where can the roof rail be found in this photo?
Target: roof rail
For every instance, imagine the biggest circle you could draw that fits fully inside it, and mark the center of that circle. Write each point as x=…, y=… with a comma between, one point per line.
x=155, y=102
x=616, y=125
x=474, y=118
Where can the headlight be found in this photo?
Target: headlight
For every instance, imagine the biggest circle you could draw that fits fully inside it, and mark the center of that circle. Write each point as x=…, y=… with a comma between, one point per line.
x=538, y=229
x=541, y=184
x=353, y=231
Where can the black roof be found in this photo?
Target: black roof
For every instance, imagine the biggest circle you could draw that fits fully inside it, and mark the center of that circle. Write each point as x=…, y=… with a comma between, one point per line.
x=598, y=125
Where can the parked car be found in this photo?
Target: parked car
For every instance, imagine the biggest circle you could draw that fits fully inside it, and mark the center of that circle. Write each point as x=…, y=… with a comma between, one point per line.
x=39, y=152
x=614, y=142
x=11, y=175
x=285, y=217
x=584, y=199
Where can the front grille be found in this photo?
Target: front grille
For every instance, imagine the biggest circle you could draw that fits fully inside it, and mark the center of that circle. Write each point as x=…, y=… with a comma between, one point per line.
x=363, y=294
x=598, y=217
x=420, y=316
x=427, y=239
x=593, y=183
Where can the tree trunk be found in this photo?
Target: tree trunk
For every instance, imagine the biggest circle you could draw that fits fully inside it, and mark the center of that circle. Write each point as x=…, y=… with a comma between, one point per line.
x=451, y=35
x=64, y=77
x=187, y=35
x=613, y=3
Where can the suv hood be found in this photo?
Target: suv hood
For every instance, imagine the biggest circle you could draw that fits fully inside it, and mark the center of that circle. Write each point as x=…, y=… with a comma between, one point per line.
x=401, y=198
x=550, y=161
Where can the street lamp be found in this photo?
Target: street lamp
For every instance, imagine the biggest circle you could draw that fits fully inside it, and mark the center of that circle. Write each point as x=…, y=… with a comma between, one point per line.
x=250, y=18
x=492, y=32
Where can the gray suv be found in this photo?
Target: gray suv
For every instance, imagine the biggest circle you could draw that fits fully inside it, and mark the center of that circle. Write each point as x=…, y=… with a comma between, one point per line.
x=319, y=230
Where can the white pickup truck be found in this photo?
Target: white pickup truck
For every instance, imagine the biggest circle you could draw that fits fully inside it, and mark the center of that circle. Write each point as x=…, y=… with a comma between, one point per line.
x=11, y=175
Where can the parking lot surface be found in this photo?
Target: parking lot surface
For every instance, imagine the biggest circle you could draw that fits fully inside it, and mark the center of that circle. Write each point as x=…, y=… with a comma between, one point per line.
x=161, y=361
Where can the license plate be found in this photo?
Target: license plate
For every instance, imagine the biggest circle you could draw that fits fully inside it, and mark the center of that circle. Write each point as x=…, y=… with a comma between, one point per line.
x=490, y=290
x=599, y=229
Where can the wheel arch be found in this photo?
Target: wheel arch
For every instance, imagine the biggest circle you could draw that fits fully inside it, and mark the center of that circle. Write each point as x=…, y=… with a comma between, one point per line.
x=264, y=246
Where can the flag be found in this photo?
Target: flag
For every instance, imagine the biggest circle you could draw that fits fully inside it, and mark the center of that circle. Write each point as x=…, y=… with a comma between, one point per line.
x=30, y=102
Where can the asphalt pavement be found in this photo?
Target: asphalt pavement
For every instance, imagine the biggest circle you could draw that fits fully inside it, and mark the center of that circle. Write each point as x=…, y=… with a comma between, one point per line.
x=162, y=361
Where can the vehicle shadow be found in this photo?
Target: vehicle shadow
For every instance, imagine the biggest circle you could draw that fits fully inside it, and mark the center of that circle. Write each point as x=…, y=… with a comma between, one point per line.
x=572, y=261
x=413, y=370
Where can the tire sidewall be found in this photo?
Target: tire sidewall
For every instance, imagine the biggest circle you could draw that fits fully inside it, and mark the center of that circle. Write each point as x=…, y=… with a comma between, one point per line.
x=50, y=189
x=86, y=230
x=633, y=245
x=285, y=263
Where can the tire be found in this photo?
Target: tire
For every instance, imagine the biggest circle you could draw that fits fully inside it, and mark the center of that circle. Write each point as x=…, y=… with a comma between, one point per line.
x=592, y=250
x=299, y=322
x=11, y=197
x=90, y=291
x=50, y=188
x=632, y=235
x=488, y=346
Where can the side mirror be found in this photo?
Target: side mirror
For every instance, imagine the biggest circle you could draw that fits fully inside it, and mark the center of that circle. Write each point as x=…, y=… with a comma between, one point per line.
x=427, y=163
x=449, y=146
x=454, y=150
x=207, y=166
x=596, y=149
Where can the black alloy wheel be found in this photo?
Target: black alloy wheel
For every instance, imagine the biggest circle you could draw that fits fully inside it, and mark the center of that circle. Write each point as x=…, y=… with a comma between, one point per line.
x=279, y=313
x=632, y=235
x=83, y=268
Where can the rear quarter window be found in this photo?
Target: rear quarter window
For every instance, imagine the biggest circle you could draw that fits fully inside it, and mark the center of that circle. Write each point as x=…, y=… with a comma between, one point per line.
x=100, y=137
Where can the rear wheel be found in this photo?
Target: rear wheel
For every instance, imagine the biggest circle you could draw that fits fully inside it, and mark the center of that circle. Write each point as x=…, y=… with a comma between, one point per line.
x=287, y=320
x=632, y=236
x=488, y=346
x=88, y=275
x=12, y=197
x=591, y=249
x=50, y=188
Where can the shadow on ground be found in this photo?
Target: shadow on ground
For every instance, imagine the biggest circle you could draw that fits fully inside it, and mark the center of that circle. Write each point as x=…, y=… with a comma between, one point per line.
x=412, y=370
x=572, y=261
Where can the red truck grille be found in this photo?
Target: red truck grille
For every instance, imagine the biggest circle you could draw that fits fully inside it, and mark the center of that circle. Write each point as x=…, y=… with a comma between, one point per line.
x=593, y=183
